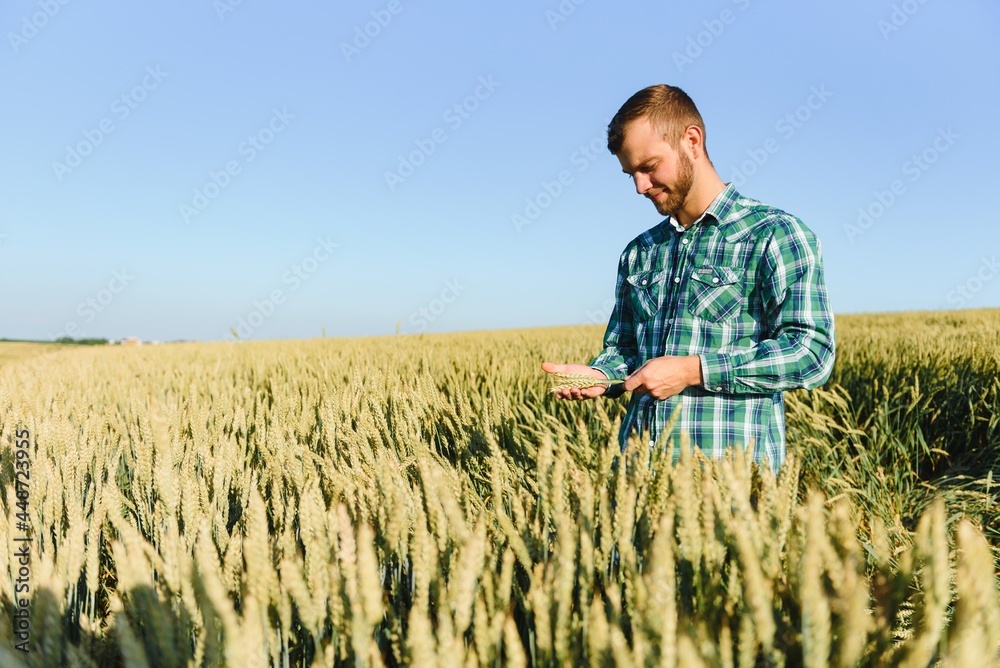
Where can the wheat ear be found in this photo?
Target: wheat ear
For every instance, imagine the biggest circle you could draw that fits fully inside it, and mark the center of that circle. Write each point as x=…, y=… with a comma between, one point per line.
x=565, y=381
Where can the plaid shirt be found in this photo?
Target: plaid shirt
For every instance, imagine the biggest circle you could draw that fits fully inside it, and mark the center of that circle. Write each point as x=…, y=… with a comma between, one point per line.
x=742, y=288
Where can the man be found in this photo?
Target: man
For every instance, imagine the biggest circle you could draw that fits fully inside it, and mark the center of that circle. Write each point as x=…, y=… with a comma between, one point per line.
x=719, y=308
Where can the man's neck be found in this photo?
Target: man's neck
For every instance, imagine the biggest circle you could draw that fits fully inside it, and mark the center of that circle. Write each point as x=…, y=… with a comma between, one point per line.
x=699, y=199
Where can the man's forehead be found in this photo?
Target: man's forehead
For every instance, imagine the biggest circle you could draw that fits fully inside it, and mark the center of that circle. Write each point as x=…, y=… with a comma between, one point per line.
x=641, y=129
x=642, y=155
x=643, y=141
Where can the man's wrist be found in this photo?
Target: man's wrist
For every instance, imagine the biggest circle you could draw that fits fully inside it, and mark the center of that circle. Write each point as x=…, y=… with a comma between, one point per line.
x=695, y=376
x=606, y=373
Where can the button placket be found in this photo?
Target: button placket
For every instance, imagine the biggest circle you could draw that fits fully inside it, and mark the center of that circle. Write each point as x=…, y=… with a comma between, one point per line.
x=685, y=255
x=682, y=251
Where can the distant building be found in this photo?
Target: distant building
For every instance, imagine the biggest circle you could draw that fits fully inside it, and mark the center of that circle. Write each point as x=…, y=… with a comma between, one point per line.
x=131, y=341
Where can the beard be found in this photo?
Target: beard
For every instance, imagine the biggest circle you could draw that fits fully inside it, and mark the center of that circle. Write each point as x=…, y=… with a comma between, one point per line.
x=677, y=195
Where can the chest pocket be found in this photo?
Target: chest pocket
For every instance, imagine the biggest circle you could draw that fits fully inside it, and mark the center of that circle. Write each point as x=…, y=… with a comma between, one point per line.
x=716, y=293
x=646, y=289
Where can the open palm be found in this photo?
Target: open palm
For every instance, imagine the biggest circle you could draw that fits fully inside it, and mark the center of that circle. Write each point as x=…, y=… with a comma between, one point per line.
x=574, y=392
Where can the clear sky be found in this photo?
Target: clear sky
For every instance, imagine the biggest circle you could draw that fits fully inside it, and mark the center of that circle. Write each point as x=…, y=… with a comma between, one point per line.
x=174, y=170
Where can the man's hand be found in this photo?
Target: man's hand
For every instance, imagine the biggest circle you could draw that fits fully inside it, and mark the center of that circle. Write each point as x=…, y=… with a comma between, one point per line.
x=575, y=392
x=665, y=376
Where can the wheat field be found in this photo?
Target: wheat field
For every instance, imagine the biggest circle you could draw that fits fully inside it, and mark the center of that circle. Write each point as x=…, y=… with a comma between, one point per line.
x=424, y=500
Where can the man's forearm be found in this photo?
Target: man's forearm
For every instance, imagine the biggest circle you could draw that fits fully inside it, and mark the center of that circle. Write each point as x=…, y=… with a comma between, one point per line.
x=798, y=358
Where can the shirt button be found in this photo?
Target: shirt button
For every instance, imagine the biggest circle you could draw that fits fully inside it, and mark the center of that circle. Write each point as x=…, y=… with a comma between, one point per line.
x=715, y=280
x=684, y=241
x=644, y=281
x=677, y=279
x=670, y=321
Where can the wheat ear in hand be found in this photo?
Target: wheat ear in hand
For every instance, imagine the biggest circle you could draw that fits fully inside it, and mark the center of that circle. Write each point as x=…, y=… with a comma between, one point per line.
x=565, y=381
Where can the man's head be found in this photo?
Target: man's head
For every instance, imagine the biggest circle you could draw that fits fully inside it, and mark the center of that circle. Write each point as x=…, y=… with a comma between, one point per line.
x=659, y=138
x=669, y=109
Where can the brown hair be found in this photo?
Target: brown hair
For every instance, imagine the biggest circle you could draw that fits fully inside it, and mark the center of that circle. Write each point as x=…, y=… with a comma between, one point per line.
x=668, y=108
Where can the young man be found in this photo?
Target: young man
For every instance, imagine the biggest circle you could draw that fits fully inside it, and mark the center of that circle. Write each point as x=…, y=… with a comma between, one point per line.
x=719, y=308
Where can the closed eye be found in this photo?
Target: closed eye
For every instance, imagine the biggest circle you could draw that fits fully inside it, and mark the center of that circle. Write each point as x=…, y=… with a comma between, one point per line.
x=643, y=168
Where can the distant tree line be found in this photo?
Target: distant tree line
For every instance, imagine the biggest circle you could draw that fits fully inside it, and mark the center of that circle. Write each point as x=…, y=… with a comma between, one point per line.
x=61, y=339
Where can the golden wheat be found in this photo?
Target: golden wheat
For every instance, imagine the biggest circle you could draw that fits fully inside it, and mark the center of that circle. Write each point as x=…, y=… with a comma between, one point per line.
x=566, y=381
x=421, y=501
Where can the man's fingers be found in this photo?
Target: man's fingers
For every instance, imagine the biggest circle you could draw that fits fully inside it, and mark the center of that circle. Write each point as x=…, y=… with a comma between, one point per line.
x=549, y=367
x=636, y=380
x=631, y=382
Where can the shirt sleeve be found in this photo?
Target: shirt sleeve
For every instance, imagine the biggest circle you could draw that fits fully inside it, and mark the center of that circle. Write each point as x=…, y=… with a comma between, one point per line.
x=620, y=354
x=799, y=350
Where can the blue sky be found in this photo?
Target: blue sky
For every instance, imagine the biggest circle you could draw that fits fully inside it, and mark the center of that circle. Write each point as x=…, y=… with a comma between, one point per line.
x=176, y=170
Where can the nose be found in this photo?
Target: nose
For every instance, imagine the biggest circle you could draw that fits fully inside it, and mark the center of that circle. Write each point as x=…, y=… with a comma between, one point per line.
x=642, y=183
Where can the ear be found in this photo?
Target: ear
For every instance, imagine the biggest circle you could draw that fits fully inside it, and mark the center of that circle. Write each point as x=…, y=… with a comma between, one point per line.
x=694, y=140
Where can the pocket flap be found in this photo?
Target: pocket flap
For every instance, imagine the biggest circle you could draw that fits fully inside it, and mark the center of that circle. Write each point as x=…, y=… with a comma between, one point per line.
x=645, y=279
x=718, y=275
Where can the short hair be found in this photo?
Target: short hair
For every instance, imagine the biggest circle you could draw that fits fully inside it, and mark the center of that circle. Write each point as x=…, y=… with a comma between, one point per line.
x=668, y=108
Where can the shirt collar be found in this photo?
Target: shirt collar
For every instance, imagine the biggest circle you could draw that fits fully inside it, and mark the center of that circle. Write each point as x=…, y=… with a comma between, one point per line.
x=718, y=210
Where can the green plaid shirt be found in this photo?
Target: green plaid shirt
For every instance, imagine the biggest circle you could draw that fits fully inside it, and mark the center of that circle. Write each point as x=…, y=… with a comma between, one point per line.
x=742, y=288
